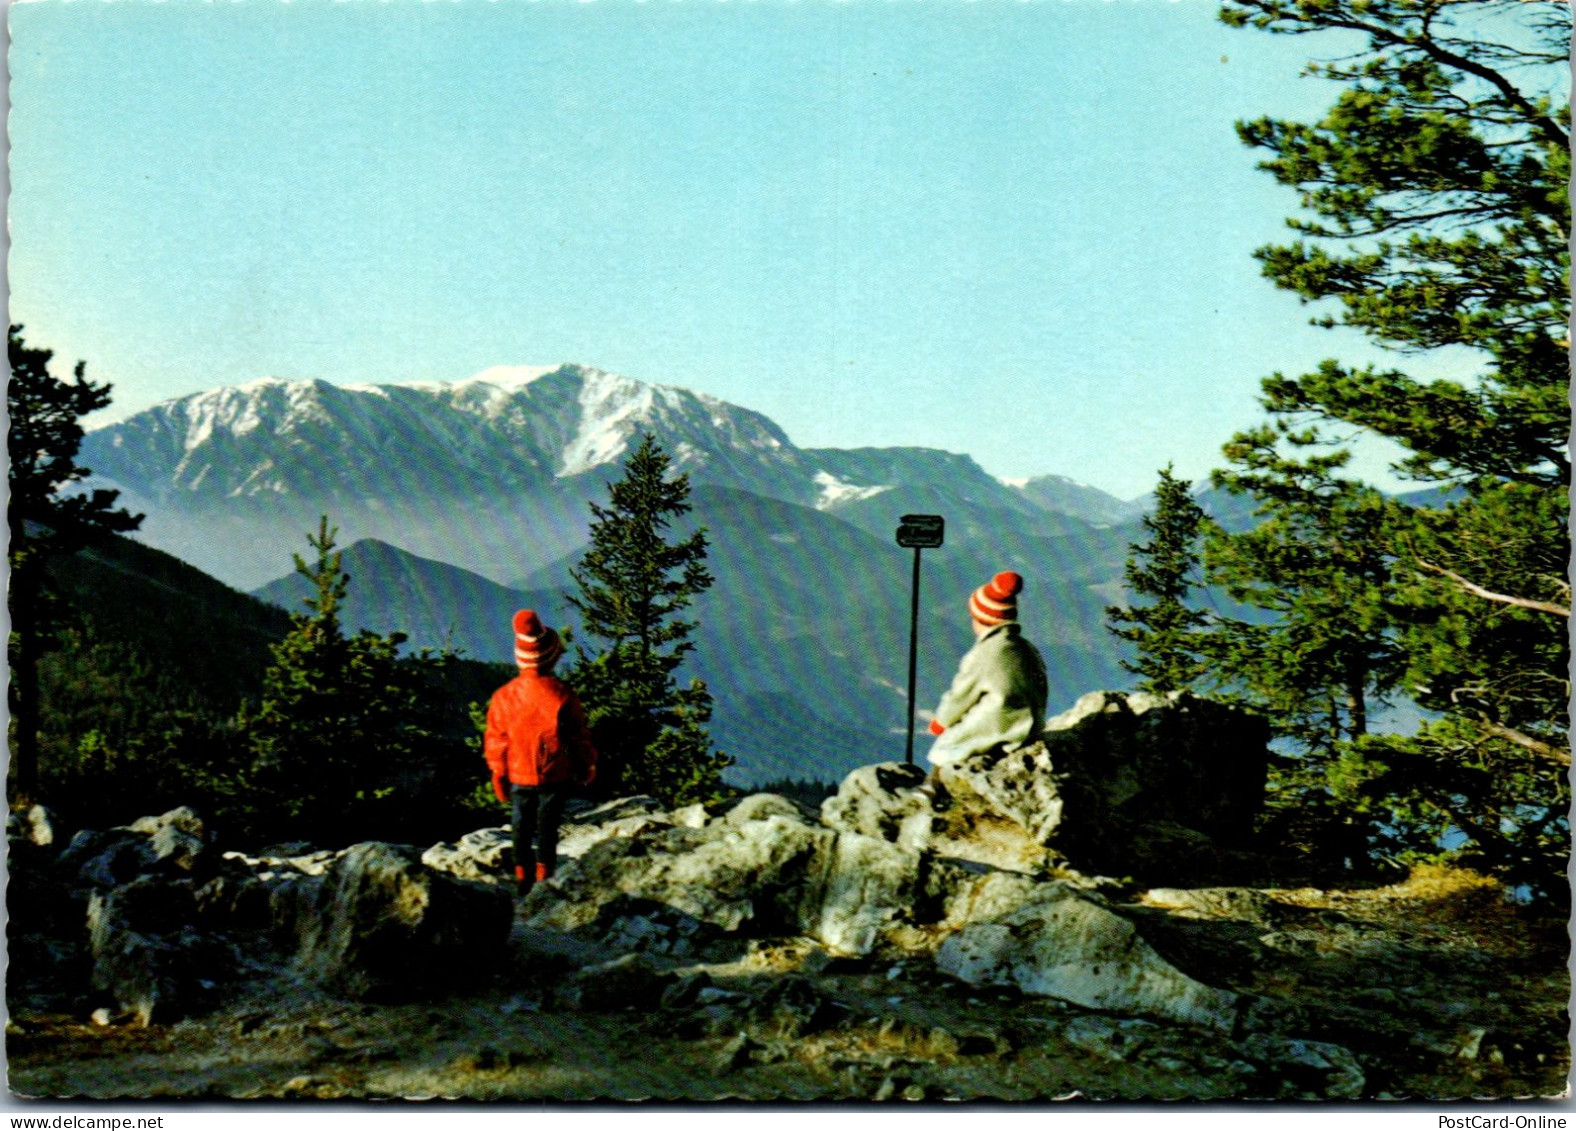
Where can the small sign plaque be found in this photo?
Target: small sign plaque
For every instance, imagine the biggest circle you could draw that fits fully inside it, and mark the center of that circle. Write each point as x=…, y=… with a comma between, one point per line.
x=921, y=531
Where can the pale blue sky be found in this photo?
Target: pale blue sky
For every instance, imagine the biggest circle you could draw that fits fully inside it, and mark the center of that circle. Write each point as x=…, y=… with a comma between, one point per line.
x=1017, y=230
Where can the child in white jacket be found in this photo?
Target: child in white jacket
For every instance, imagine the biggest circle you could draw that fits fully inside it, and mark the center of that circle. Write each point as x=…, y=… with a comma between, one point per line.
x=998, y=696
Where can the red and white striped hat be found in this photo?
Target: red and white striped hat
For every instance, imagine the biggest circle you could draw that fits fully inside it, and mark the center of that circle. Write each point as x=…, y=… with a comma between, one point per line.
x=996, y=602
x=536, y=647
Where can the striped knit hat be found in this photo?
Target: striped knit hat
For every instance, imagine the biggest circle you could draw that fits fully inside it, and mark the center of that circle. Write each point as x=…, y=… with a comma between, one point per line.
x=536, y=647
x=996, y=602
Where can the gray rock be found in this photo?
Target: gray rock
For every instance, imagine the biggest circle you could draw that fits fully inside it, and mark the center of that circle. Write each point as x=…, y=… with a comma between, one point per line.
x=868, y=885
x=749, y=877
x=876, y=801
x=764, y=870
x=630, y=982
x=105, y=859
x=147, y=954
x=618, y=809
x=644, y=926
x=183, y=819
x=760, y=806
x=574, y=841
x=172, y=844
x=1312, y=1069
x=691, y=816
x=486, y=855
x=380, y=924
x=1158, y=786
x=36, y=825
x=1016, y=788
x=1064, y=944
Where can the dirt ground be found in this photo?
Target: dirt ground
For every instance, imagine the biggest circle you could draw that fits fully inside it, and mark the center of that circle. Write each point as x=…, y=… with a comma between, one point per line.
x=1438, y=989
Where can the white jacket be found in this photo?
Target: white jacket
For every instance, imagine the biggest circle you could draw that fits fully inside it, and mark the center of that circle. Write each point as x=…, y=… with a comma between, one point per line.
x=996, y=699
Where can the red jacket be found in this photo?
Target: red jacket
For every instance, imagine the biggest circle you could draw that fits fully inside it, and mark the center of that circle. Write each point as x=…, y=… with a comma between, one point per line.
x=536, y=733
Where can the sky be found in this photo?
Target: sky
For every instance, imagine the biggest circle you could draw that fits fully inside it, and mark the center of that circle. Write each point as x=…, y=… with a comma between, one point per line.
x=1020, y=230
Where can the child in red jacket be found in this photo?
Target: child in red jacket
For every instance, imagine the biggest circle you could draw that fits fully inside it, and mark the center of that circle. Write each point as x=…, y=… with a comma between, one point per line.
x=537, y=747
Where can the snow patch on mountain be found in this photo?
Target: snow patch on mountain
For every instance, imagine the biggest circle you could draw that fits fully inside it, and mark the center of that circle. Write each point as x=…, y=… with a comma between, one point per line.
x=834, y=491
x=609, y=405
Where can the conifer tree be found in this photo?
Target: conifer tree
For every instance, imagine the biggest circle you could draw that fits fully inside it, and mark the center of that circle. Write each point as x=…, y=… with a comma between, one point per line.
x=1162, y=573
x=341, y=715
x=1435, y=214
x=635, y=584
x=45, y=434
x=1316, y=563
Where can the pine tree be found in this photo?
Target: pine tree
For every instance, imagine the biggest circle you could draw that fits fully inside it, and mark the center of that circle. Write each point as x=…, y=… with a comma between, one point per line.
x=1163, y=572
x=1435, y=215
x=45, y=434
x=342, y=718
x=1324, y=658
x=634, y=587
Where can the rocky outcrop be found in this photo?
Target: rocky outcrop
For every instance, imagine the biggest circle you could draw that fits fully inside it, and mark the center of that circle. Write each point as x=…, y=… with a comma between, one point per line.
x=149, y=953
x=1163, y=787
x=172, y=844
x=1062, y=943
x=907, y=937
x=485, y=854
x=881, y=801
x=380, y=924
x=959, y=870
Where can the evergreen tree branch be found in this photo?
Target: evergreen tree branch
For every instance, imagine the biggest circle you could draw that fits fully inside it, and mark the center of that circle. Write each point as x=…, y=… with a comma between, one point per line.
x=1489, y=595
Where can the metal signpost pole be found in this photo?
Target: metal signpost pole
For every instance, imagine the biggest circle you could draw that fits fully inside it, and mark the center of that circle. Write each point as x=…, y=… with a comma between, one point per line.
x=913, y=659
x=920, y=531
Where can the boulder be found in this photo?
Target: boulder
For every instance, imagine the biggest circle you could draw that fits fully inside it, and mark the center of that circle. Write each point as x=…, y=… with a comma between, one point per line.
x=380, y=924
x=104, y=859
x=749, y=877
x=147, y=952
x=172, y=844
x=1052, y=940
x=868, y=885
x=760, y=806
x=1000, y=808
x=877, y=801
x=486, y=854
x=1155, y=785
x=1016, y=786
x=763, y=870
x=36, y=825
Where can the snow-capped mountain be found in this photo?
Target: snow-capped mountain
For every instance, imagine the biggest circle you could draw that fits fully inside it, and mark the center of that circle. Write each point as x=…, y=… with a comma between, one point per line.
x=497, y=432
x=803, y=638
x=491, y=473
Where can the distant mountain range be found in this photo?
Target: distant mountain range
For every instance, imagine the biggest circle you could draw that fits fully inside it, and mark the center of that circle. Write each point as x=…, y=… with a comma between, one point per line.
x=492, y=473
x=461, y=502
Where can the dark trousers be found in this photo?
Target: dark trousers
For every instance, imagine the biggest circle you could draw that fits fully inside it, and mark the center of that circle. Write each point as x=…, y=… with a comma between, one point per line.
x=537, y=809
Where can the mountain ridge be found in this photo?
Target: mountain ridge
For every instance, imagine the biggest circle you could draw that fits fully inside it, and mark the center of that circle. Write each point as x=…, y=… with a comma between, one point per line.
x=508, y=448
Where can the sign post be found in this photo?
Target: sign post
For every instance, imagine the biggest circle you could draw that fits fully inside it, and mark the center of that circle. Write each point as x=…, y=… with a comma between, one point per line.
x=921, y=532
